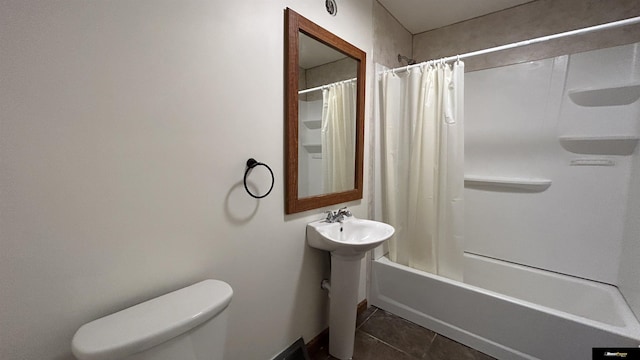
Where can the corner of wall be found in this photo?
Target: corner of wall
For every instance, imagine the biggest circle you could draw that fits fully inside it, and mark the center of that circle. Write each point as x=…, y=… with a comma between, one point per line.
x=390, y=38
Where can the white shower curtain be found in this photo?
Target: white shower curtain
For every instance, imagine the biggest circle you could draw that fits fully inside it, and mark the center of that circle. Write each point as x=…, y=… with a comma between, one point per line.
x=338, y=136
x=422, y=162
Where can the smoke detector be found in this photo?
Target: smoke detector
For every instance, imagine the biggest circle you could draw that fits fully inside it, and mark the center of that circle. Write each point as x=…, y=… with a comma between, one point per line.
x=331, y=6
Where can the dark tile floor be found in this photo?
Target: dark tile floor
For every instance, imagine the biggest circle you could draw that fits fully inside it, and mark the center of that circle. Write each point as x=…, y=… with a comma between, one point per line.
x=381, y=335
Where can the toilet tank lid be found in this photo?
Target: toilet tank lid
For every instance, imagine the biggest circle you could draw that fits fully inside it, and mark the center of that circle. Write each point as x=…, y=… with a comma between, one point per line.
x=150, y=323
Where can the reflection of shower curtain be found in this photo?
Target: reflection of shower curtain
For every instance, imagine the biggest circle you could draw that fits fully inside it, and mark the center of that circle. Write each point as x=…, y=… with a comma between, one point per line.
x=422, y=166
x=338, y=136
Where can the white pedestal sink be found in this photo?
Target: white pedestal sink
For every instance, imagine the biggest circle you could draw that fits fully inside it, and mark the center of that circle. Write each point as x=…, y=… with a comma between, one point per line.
x=347, y=241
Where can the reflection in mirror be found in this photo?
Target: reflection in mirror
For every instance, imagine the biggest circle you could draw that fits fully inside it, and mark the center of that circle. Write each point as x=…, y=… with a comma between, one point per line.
x=325, y=117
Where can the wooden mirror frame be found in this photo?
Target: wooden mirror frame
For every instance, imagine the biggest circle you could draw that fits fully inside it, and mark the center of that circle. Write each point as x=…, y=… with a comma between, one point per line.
x=294, y=24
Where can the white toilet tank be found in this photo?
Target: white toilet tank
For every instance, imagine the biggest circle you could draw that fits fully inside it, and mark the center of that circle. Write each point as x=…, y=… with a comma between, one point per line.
x=187, y=324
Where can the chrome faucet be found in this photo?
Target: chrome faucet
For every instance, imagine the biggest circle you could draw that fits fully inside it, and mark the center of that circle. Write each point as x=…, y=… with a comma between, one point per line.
x=338, y=215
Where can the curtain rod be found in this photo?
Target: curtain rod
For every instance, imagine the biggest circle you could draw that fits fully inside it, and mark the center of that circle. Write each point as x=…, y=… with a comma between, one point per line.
x=322, y=87
x=611, y=25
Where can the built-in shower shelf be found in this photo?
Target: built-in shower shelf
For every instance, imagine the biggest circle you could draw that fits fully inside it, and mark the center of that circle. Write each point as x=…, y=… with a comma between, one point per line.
x=609, y=96
x=523, y=184
x=313, y=148
x=312, y=124
x=599, y=145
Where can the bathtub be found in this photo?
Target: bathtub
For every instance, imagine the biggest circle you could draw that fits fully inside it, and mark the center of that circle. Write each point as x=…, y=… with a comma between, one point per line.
x=509, y=311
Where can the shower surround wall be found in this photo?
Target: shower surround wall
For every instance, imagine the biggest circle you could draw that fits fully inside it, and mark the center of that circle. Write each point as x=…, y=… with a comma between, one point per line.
x=539, y=18
x=551, y=175
x=310, y=180
x=629, y=274
x=529, y=128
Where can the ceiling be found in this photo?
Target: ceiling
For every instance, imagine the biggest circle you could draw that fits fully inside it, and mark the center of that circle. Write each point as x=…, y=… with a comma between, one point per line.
x=313, y=53
x=422, y=15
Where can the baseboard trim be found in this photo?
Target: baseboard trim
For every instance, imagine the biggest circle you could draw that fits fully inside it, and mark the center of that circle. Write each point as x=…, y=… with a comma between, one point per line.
x=322, y=339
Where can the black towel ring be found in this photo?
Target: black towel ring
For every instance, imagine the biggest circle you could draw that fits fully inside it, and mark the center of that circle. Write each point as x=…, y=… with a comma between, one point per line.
x=251, y=163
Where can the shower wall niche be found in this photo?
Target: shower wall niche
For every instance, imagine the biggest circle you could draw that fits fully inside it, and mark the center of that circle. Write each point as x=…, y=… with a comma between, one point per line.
x=310, y=180
x=550, y=148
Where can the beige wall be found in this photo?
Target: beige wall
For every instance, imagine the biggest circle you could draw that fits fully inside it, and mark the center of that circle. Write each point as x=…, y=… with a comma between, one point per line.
x=124, y=132
x=339, y=70
x=534, y=19
x=390, y=38
x=302, y=83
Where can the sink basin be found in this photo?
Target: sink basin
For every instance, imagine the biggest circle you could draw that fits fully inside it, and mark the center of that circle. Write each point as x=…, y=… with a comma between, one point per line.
x=352, y=237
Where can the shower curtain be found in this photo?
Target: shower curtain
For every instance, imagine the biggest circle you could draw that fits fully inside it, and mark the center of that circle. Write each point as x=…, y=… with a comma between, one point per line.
x=338, y=136
x=422, y=161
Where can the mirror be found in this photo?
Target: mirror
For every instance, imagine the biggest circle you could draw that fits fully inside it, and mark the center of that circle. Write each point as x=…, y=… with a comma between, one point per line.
x=324, y=127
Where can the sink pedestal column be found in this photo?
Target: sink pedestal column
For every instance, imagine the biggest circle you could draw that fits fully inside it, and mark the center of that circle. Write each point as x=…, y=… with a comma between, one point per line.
x=345, y=279
x=347, y=241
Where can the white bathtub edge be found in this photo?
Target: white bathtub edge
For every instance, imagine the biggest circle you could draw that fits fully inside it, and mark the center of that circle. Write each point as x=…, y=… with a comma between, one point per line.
x=453, y=332
x=475, y=336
